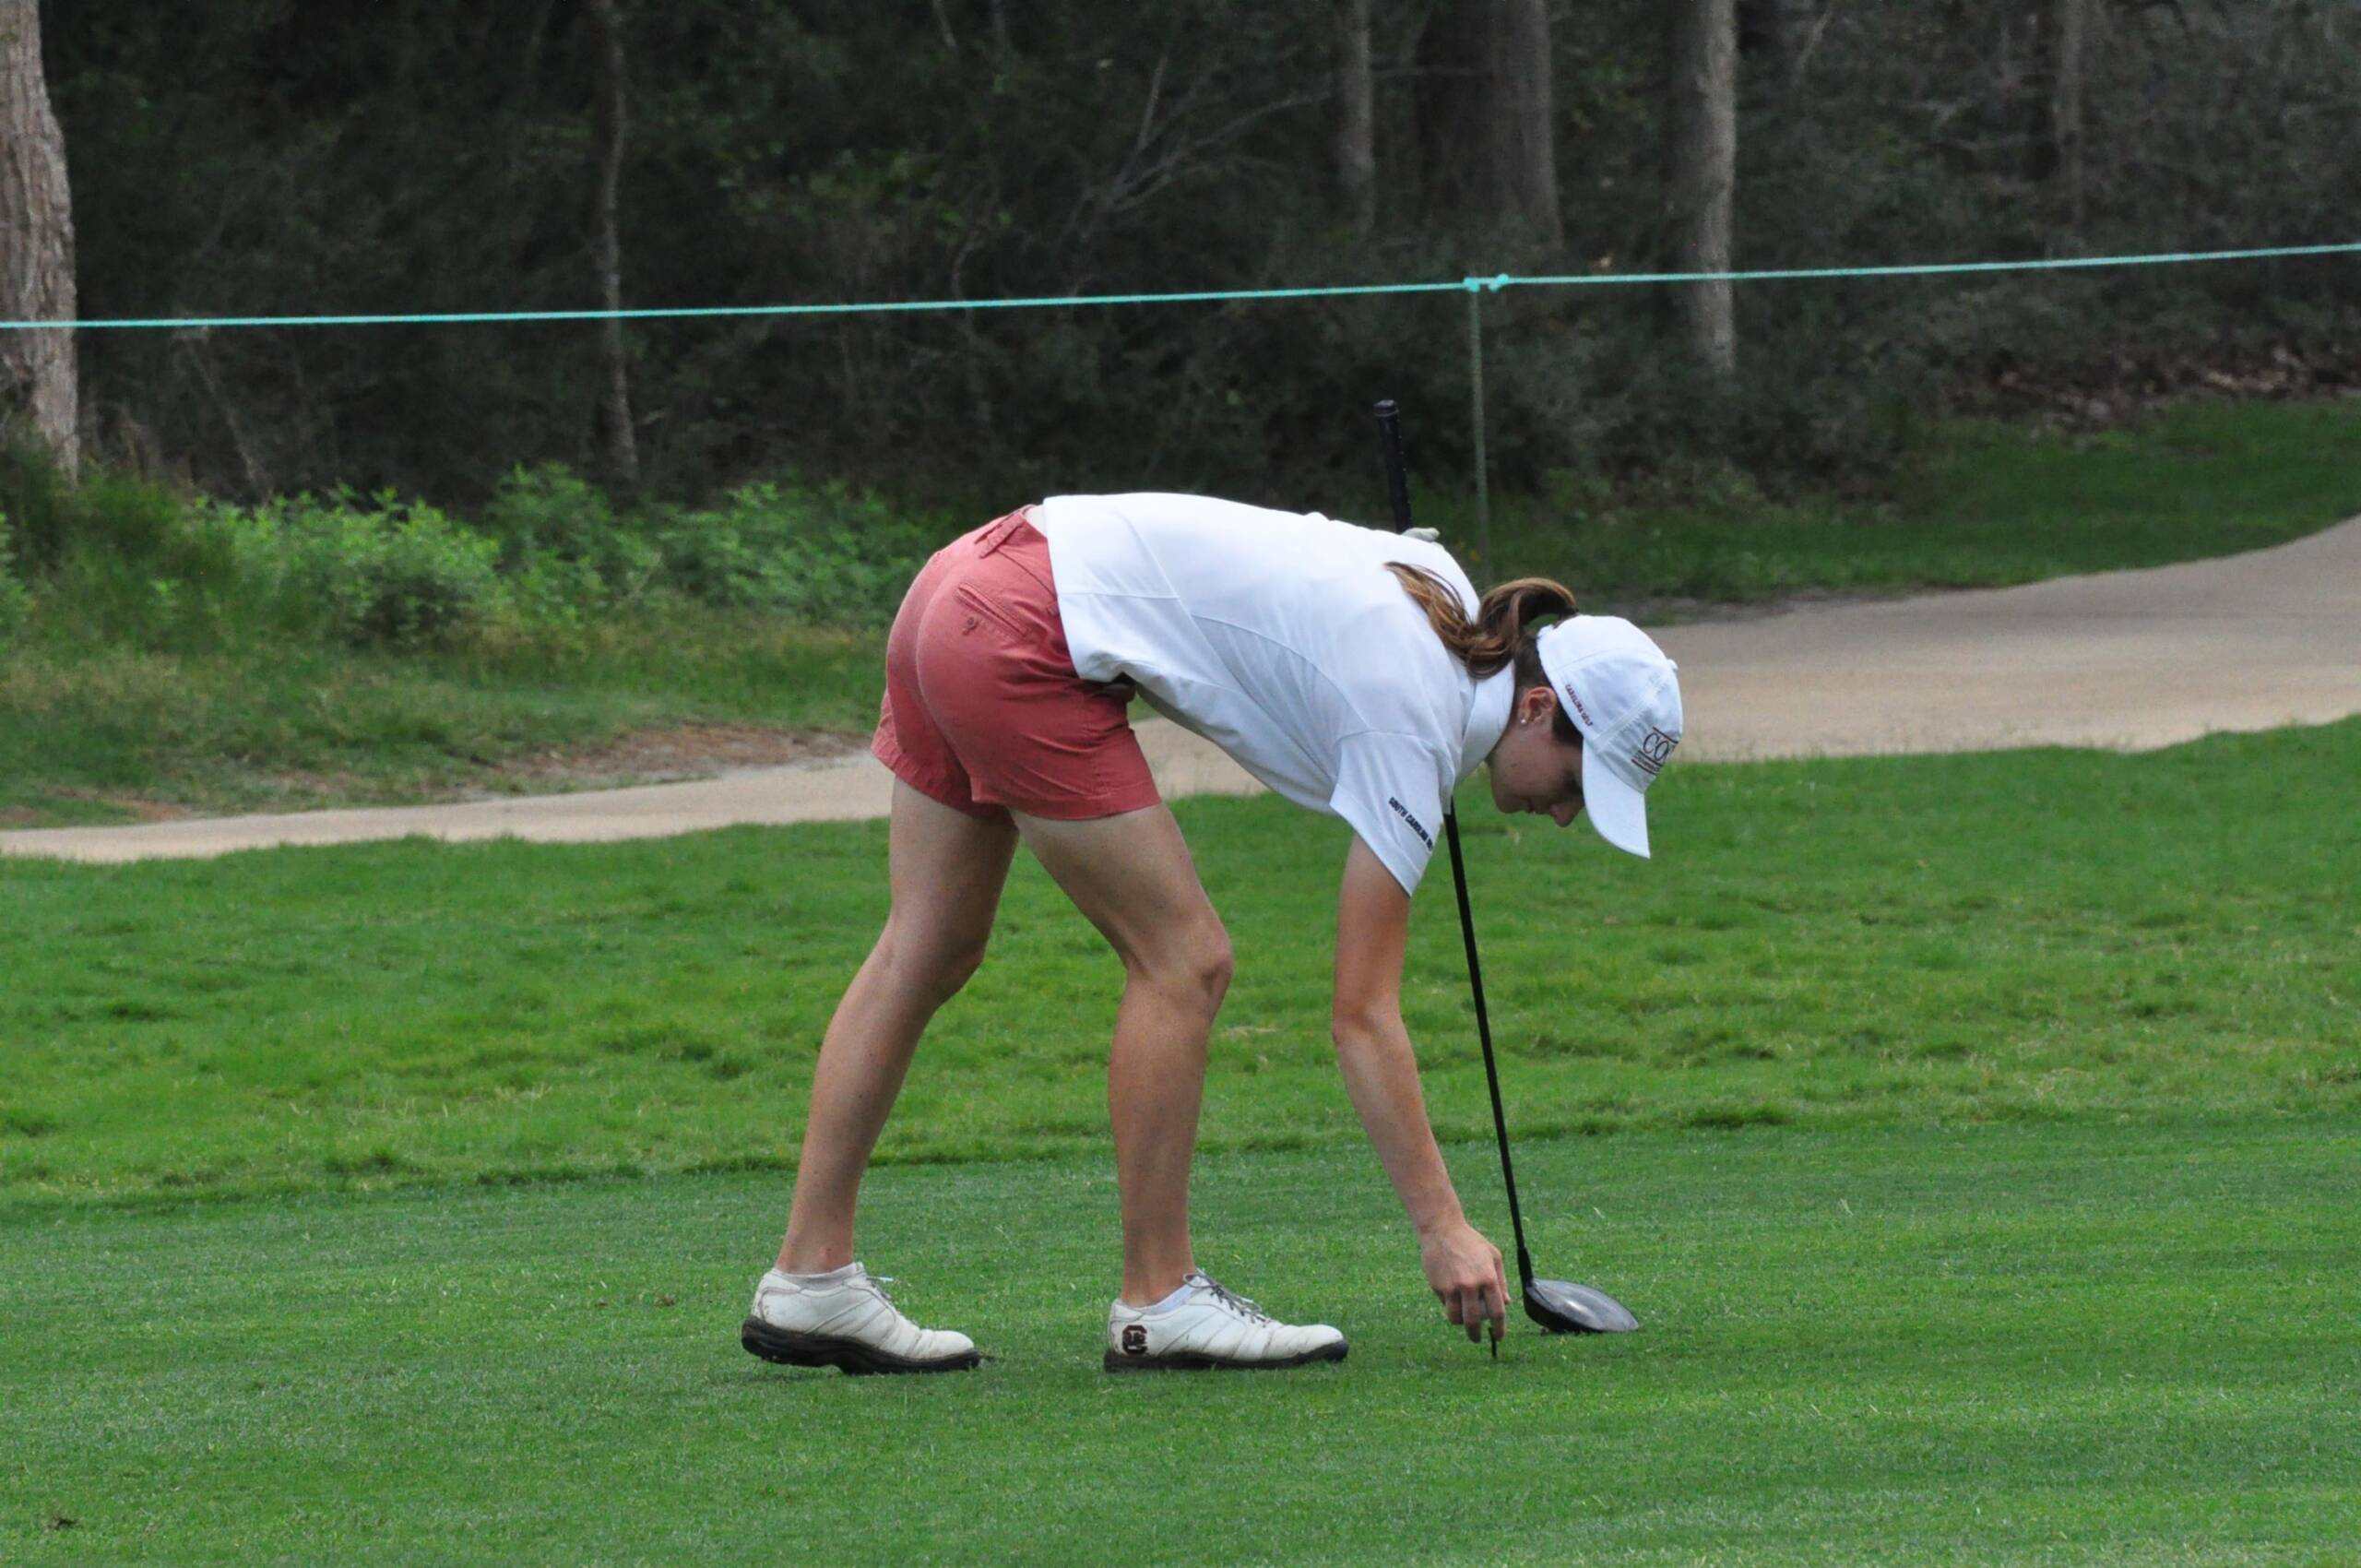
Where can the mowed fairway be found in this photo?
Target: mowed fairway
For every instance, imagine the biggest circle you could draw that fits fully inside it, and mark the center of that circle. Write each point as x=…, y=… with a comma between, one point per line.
x=1976, y=1137
x=2008, y=935
x=1987, y=1345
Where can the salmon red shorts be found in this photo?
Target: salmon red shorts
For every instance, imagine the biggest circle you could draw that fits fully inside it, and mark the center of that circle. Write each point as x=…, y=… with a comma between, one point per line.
x=983, y=710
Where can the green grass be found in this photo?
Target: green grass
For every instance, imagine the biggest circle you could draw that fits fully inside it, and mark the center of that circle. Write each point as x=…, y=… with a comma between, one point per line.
x=2012, y=937
x=99, y=733
x=1989, y=1346
x=87, y=733
x=1981, y=504
x=1977, y=1137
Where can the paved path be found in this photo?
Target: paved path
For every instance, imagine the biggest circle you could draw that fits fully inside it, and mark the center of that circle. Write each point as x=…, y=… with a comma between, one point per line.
x=2127, y=660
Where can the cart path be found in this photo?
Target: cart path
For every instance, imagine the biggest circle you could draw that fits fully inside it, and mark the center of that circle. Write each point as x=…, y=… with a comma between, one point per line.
x=2125, y=660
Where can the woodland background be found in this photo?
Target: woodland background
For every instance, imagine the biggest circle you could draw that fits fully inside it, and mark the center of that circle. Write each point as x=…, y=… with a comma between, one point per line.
x=233, y=157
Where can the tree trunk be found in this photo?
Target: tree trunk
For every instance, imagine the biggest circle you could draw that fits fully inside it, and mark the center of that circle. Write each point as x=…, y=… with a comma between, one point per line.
x=1783, y=30
x=614, y=402
x=2056, y=158
x=1356, y=117
x=1485, y=115
x=1701, y=172
x=37, y=373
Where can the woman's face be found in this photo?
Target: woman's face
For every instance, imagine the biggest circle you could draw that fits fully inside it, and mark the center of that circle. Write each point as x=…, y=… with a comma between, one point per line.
x=1532, y=769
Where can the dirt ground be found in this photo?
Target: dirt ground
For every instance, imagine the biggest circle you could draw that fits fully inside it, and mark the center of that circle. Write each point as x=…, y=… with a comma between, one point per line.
x=2126, y=660
x=678, y=752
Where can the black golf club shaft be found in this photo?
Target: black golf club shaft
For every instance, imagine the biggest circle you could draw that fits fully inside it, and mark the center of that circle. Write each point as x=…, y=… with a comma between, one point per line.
x=1397, y=484
x=1484, y=1035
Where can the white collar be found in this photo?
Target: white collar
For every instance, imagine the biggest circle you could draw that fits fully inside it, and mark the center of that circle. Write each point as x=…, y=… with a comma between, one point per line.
x=1488, y=716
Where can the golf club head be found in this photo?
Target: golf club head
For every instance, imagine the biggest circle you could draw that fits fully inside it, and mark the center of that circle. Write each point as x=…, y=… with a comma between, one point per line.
x=1563, y=1307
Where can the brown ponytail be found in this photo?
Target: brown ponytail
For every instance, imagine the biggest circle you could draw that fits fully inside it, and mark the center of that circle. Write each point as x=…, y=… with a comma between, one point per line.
x=1503, y=630
x=1502, y=626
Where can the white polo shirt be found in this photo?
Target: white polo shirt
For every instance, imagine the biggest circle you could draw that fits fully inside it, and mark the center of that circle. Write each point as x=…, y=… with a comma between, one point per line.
x=1281, y=637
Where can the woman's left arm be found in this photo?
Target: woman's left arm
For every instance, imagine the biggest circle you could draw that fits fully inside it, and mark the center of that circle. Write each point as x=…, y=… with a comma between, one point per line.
x=1374, y=1048
x=1381, y=1075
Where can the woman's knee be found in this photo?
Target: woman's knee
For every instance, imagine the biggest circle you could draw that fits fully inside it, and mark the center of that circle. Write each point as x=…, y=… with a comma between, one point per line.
x=1217, y=963
x=1197, y=963
x=931, y=967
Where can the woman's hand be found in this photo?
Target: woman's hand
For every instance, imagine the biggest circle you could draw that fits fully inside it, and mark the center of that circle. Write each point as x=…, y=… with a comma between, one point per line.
x=1381, y=1075
x=1465, y=1272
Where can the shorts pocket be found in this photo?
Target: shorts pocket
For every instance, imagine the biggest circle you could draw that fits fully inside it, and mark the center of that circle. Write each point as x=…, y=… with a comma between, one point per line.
x=977, y=603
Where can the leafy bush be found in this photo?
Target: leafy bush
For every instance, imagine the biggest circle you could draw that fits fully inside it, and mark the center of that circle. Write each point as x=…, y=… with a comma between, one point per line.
x=564, y=547
x=549, y=512
x=826, y=557
x=548, y=508
x=392, y=574
x=16, y=603
x=136, y=561
x=121, y=562
x=547, y=593
x=135, y=519
x=37, y=499
x=415, y=577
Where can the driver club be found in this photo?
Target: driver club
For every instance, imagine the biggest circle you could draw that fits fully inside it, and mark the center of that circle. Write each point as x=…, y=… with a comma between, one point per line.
x=1561, y=1306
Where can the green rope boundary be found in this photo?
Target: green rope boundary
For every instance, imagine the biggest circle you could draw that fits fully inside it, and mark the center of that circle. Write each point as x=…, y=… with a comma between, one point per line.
x=1471, y=285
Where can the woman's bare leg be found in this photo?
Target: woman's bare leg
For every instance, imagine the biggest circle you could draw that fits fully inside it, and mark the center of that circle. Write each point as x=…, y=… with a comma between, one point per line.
x=1132, y=878
x=947, y=869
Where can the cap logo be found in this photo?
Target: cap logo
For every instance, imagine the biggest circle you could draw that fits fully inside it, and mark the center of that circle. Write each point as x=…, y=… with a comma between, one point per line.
x=1568, y=689
x=1655, y=750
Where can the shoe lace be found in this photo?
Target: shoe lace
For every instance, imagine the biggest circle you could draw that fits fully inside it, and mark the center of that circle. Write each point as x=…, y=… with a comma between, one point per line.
x=1237, y=1302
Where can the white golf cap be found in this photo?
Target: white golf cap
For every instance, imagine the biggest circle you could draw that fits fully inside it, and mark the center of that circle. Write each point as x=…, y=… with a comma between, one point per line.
x=1624, y=695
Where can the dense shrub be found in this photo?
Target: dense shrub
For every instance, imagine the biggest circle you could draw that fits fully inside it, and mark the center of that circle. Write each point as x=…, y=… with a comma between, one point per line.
x=38, y=502
x=552, y=524
x=547, y=507
x=16, y=603
x=133, y=518
x=132, y=560
x=830, y=557
x=386, y=573
x=116, y=555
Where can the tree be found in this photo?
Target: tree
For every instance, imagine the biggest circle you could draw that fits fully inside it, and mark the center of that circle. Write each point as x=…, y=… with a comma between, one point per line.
x=1783, y=30
x=1485, y=115
x=444, y=155
x=2056, y=149
x=614, y=400
x=1701, y=171
x=1356, y=117
x=36, y=241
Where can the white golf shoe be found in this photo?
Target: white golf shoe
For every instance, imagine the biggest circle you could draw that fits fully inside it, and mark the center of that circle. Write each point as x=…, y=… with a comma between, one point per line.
x=1210, y=1327
x=844, y=1320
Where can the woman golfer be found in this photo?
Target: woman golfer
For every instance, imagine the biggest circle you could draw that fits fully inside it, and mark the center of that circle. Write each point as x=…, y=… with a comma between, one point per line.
x=1353, y=672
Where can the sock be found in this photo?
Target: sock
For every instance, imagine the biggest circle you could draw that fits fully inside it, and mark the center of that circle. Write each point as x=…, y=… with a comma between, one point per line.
x=833, y=1277
x=1174, y=1299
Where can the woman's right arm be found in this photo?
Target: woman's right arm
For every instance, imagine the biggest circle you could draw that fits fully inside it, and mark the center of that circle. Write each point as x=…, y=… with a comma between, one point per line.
x=1381, y=1075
